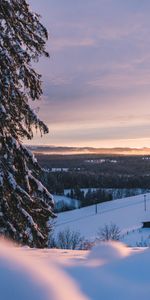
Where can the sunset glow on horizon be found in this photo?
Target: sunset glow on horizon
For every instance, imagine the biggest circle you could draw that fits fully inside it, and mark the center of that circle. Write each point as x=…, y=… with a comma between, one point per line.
x=97, y=82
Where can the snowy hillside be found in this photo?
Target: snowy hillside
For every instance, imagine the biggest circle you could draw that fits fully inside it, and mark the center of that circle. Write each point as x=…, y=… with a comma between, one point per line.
x=127, y=214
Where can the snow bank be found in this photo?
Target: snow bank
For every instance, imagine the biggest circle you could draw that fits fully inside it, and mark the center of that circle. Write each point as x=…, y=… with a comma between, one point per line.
x=108, y=252
x=118, y=273
x=123, y=274
x=24, y=277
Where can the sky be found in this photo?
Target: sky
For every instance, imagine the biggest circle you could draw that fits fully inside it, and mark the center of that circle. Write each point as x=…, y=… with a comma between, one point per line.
x=96, y=84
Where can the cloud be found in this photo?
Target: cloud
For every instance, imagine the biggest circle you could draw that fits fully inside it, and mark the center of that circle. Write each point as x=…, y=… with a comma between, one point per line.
x=122, y=80
x=59, y=44
x=99, y=71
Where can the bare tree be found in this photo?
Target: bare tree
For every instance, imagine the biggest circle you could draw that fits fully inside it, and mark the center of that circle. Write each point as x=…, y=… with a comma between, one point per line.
x=67, y=239
x=109, y=232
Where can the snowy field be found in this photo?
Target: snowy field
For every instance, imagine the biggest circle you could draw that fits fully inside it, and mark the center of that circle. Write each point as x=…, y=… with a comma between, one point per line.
x=110, y=271
x=127, y=214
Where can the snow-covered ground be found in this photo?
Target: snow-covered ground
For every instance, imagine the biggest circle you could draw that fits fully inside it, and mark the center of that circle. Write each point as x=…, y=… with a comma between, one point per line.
x=110, y=271
x=85, y=190
x=31, y=275
x=127, y=214
x=61, y=201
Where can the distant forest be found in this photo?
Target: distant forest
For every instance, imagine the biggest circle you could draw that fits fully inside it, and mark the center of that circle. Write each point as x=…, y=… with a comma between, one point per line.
x=94, y=171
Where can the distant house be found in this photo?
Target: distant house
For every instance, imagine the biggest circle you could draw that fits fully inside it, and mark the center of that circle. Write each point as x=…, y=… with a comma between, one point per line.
x=146, y=220
x=146, y=224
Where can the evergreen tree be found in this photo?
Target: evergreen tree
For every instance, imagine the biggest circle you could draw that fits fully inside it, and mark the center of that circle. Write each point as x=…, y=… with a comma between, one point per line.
x=25, y=204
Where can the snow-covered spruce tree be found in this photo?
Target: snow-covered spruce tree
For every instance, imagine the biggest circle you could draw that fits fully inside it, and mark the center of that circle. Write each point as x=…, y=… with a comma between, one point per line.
x=25, y=204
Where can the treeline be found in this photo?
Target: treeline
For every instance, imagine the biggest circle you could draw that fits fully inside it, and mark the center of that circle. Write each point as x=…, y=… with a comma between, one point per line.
x=90, y=197
x=58, y=181
x=99, y=164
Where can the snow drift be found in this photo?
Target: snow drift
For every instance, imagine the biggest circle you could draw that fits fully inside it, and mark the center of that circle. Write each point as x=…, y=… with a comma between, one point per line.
x=110, y=271
x=26, y=277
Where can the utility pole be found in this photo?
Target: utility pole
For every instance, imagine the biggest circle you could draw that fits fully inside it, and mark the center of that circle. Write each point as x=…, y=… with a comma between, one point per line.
x=145, y=202
x=96, y=208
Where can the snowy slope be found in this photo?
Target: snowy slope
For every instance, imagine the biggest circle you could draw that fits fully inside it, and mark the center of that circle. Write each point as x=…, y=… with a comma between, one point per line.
x=126, y=213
